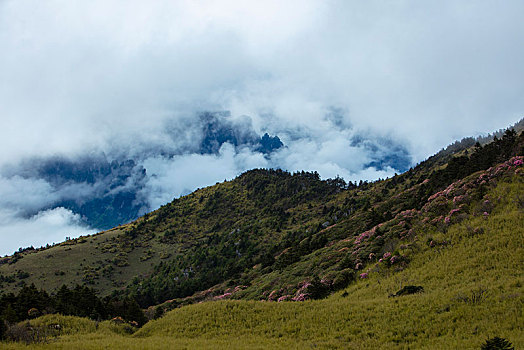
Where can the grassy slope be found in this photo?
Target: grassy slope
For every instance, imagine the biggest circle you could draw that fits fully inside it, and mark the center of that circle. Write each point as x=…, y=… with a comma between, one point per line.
x=83, y=260
x=444, y=316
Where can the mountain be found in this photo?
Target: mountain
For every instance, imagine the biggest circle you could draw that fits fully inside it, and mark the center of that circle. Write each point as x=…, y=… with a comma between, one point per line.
x=275, y=236
x=107, y=191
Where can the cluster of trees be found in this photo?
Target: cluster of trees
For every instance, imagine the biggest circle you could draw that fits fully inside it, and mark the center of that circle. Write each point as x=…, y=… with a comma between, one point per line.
x=482, y=158
x=270, y=186
x=457, y=167
x=82, y=301
x=217, y=259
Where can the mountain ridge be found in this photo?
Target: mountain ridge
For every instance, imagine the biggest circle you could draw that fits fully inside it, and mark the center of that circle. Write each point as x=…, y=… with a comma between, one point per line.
x=274, y=218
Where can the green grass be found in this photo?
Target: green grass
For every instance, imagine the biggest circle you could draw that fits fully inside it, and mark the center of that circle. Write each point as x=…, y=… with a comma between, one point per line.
x=445, y=316
x=67, y=264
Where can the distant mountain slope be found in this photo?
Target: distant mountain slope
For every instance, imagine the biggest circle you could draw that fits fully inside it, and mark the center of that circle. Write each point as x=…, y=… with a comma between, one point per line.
x=103, y=190
x=107, y=191
x=269, y=234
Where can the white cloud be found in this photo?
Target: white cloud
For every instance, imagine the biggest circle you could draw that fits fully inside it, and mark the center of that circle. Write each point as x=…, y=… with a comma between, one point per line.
x=179, y=175
x=18, y=193
x=45, y=227
x=82, y=75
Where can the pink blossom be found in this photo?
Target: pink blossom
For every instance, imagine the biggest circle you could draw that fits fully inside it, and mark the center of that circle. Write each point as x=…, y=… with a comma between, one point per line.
x=436, y=220
x=300, y=297
x=453, y=211
x=380, y=260
x=447, y=219
x=272, y=295
x=306, y=286
x=410, y=213
x=363, y=275
x=518, y=162
x=326, y=282
x=436, y=195
x=458, y=199
x=223, y=296
x=486, y=213
x=386, y=255
x=283, y=298
x=393, y=259
x=238, y=288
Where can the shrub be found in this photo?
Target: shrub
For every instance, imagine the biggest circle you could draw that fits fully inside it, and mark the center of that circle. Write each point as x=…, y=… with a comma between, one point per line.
x=110, y=326
x=497, y=343
x=3, y=328
x=406, y=290
x=317, y=289
x=477, y=296
x=24, y=332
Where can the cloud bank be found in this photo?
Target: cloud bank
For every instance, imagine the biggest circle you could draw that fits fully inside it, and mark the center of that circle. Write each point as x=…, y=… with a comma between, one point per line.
x=47, y=227
x=344, y=84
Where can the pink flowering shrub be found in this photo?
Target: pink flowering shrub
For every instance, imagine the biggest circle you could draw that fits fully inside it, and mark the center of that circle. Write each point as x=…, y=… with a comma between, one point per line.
x=304, y=291
x=365, y=235
x=238, y=288
x=363, y=275
x=386, y=255
x=437, y=205
x=300, y=297
x=273, y=295
x=284, y=298
x=453, y=211
x=459, y=199
x=437, y=220
x=223, y=296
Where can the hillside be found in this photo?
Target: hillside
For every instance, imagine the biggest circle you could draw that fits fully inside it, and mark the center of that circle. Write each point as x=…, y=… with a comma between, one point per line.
x=265, y=223
x=472, y=290
x=451, y=225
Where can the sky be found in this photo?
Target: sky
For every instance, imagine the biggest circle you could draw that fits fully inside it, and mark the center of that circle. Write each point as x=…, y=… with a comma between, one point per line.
x=100, y=76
